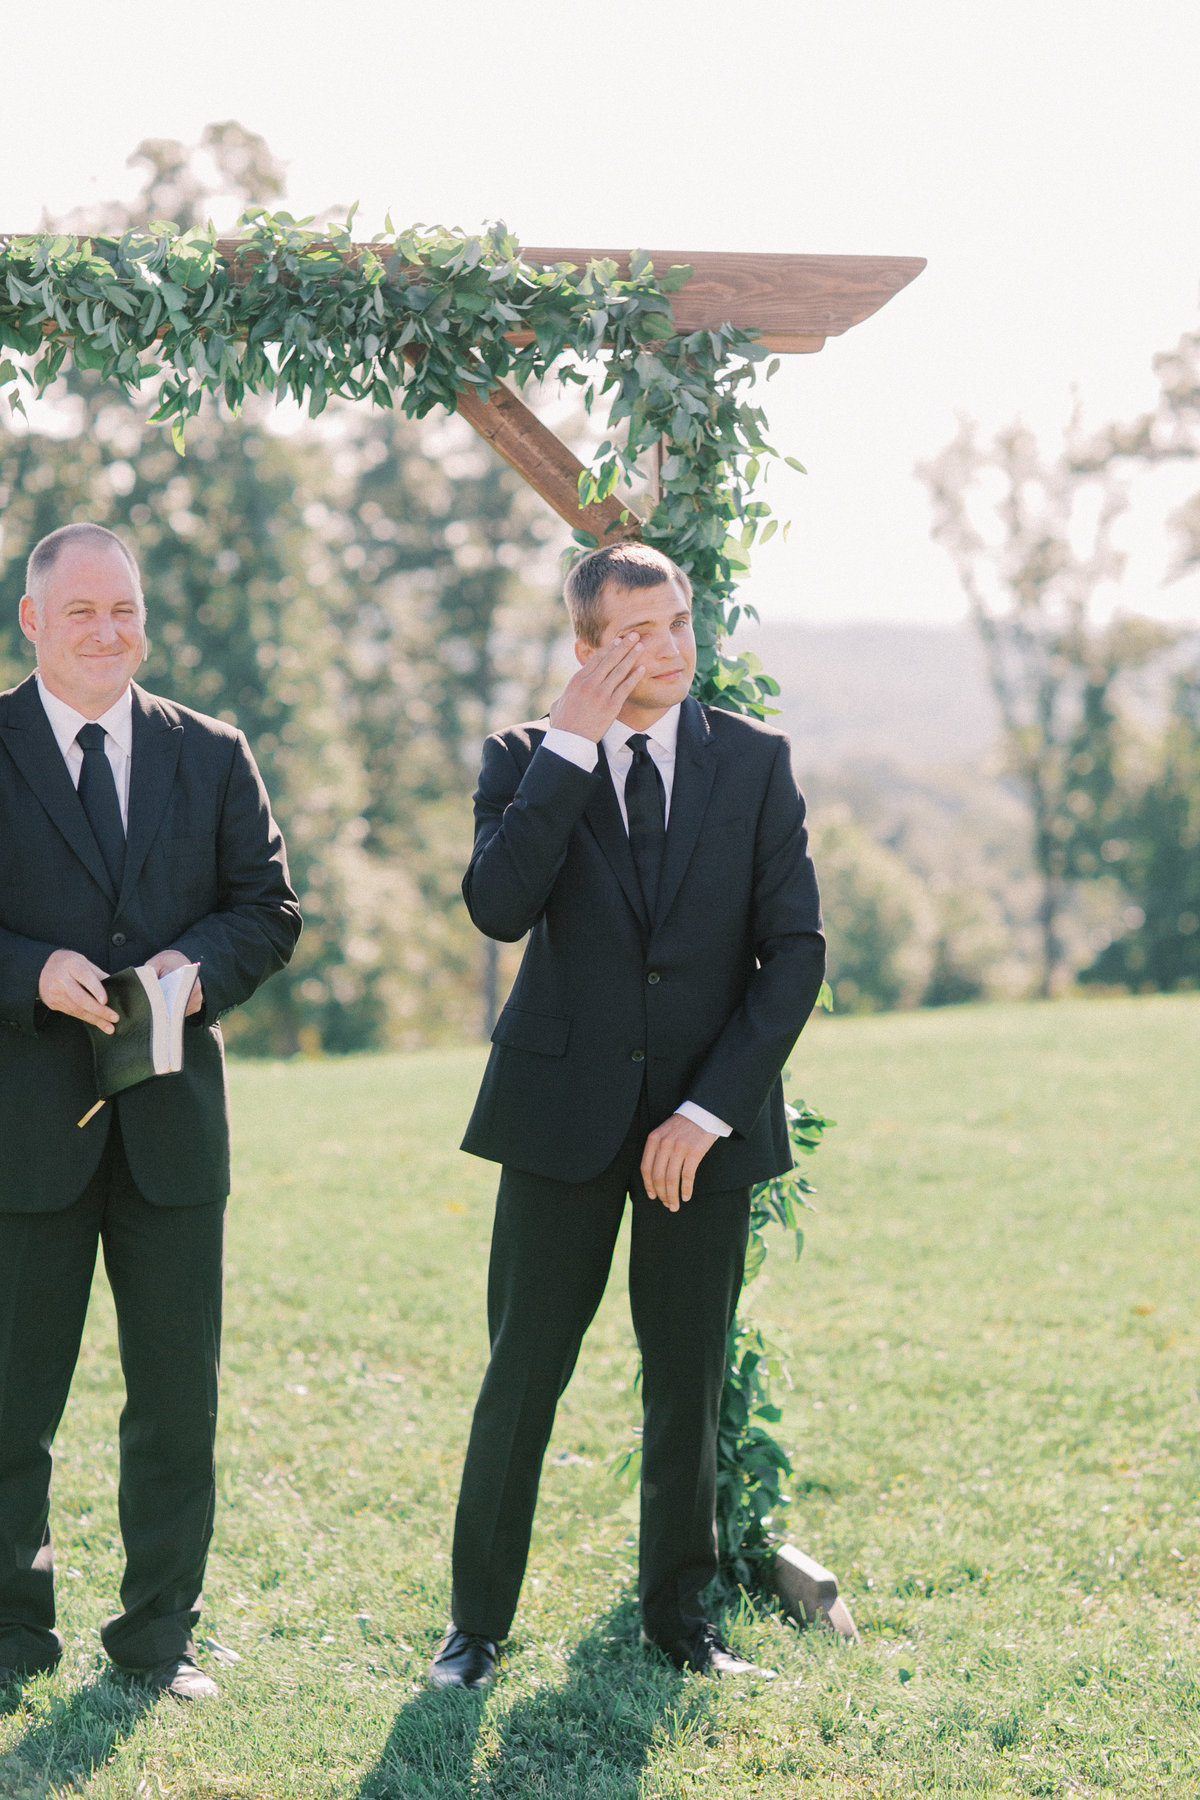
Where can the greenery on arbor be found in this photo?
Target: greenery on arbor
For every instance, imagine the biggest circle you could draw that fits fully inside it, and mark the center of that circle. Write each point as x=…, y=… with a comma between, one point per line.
x=752, y=1466
x=410, y=321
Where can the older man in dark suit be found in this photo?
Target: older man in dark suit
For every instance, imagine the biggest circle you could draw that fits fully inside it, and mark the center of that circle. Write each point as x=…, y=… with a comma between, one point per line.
x=132, y=831
x=654, y=850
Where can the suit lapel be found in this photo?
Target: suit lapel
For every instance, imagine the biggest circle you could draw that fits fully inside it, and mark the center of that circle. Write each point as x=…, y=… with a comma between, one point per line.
x=695, y=770
x=603, y=815
x=157, y=741
x=34, y=748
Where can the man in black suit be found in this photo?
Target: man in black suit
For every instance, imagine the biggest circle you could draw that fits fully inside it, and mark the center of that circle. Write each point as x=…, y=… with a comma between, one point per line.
x=654, y=849
x=132, y=831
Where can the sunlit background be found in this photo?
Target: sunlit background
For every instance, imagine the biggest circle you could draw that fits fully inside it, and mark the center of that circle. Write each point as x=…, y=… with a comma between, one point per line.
x=1045, y=159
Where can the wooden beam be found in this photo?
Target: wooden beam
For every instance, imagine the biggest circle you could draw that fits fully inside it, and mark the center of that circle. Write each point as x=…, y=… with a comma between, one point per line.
x=793, y=302
x=552, y=470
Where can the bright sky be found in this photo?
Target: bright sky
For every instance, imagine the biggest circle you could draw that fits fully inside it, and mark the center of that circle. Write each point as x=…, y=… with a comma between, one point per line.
x=1045, y=158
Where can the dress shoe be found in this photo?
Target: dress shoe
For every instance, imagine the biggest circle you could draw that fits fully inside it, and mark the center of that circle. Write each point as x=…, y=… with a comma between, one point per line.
x=705, y=1652
x=463, y=1660
x=182, y=1678
x=16, y=1678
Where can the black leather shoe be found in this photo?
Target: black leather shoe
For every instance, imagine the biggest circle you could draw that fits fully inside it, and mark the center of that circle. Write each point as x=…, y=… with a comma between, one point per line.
x=705, y=1652
x=183, y=1679
x=463, y=1660
x=16, y=1678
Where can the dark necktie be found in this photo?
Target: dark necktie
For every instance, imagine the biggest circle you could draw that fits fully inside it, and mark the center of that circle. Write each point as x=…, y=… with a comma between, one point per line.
x=646, y=810
x=98, y=792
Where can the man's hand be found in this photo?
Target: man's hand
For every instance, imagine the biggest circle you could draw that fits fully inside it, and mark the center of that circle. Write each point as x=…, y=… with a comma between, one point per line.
x=671, y=1158
x=70, y=984
x=598, y=690
x=164, y=962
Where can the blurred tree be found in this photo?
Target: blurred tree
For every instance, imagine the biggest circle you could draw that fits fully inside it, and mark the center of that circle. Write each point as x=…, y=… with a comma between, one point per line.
x=1153, y=844
x=1030, y=587
x=442, y=639
x=882, y=921
x=181, y=181
x=1155, y=850
x=238, y=628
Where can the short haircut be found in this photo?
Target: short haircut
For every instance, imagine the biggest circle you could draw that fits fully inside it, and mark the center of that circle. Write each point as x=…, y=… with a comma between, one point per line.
x=46, y=553
x=626, y=566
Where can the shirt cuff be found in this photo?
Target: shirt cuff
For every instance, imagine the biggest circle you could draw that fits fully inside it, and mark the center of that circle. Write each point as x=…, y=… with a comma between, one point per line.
x=706, y=1120
x=572, y=748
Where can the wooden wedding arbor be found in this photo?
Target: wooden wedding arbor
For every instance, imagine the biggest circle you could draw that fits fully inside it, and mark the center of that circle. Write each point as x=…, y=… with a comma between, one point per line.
x=291, y=310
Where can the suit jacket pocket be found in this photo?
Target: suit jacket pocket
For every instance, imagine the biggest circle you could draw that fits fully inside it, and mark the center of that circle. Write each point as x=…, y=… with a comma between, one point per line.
x=545, y=1034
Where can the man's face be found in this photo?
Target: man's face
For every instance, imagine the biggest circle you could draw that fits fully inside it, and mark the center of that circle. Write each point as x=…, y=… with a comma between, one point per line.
x=662, y=618
x=89, y=629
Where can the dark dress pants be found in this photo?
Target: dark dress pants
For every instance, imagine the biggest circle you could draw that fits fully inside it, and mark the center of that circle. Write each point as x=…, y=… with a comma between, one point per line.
x=552, y=1247
x=164, y=1268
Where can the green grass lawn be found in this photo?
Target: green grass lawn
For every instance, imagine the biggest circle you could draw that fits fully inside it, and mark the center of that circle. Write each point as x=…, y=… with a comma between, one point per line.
x=993, y=1341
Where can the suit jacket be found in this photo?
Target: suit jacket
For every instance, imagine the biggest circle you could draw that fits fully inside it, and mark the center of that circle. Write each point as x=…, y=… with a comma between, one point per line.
x=703, y=1002
x=205, y=873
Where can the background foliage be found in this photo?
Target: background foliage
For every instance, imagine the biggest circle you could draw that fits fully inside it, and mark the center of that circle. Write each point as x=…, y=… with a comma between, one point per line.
x=1032, y=537
x=365, y=597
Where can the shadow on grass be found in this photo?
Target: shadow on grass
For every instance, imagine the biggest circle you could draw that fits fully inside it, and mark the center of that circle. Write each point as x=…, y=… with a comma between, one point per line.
x=430, y=1750
x=69, y=1736
x=588, y=1738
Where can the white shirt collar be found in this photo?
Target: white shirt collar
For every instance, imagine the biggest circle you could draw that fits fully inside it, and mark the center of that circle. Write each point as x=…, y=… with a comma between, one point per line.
x=664, y=732
x=65, y=722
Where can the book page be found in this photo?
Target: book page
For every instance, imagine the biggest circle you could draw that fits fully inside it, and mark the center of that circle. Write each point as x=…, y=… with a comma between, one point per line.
x=176, y=989
x=159, y=1019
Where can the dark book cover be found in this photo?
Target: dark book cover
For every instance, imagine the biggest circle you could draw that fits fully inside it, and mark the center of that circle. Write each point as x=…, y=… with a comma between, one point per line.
x=148, y=1039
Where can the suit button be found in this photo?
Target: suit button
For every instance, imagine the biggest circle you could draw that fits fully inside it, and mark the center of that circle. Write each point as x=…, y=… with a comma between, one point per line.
x=653, y=978
x=118, y=938
x=638, y=1056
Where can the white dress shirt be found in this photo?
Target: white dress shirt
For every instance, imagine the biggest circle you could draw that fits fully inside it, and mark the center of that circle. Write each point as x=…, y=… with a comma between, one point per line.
x=65, y=723
x=661, y=738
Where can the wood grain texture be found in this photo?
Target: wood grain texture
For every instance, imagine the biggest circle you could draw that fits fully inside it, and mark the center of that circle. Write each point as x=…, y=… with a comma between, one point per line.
x=545, y=462
x=552, y=470
x=791, y=301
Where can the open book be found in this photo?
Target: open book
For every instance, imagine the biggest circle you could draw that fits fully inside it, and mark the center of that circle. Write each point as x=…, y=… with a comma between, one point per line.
x=148, y=1040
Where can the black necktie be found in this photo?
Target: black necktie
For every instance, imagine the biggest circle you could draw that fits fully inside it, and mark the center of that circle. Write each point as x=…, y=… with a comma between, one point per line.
x=646, y=810
x=98, y=792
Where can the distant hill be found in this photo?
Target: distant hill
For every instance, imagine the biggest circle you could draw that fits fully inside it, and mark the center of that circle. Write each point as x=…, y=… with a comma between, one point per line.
x=910, y=694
